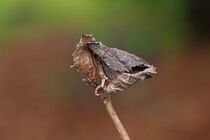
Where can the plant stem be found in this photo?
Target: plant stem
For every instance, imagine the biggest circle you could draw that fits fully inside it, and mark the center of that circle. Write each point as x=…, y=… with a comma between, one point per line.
x=108, y=104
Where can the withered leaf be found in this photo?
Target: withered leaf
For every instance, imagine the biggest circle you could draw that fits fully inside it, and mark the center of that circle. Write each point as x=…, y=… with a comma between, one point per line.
x=84, y=61
x=118, y=60
x=109, y=69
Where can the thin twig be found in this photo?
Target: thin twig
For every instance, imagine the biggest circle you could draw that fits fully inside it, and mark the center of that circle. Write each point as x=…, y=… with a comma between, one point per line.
x=111, y=111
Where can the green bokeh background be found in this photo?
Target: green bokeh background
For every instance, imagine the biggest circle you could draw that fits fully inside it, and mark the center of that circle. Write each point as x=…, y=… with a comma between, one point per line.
x=144, y=25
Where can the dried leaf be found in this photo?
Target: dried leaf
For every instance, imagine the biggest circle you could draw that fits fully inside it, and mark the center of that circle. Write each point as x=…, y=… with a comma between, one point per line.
x=109, y=69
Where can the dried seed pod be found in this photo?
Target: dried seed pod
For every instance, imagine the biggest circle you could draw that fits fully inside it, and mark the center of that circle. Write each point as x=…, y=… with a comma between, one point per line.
x=109, y=69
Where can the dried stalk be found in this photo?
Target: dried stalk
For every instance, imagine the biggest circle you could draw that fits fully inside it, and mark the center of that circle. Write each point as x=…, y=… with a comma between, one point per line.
x=111, y=111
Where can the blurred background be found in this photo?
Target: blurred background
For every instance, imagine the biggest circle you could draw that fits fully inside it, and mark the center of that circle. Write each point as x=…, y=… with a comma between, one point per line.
x=41, y=98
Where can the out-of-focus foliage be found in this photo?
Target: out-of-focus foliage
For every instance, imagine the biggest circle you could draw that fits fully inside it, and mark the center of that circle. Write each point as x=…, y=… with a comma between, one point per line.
x=137, y=24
